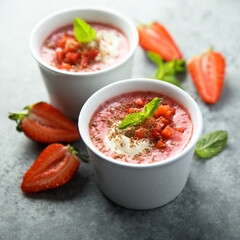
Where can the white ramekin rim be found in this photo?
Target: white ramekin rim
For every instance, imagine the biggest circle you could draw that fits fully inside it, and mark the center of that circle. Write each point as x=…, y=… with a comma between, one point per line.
x=188, y=148
x=130, y=53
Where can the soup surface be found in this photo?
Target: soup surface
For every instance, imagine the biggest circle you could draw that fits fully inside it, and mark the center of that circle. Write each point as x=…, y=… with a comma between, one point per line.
x=164, y=135
x=63, y=51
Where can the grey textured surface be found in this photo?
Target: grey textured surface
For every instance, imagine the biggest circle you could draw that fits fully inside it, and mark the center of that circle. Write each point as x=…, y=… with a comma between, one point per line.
x=208, y=207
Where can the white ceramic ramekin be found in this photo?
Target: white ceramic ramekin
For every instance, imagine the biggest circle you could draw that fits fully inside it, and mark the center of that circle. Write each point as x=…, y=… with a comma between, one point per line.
x=141, y=186
x=69, y=90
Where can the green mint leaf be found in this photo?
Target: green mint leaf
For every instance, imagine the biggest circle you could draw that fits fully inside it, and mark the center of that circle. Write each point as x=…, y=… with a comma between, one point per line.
x=155, y=57
x=160, y=73
x=166, y=71
x=83, y=31
x=172, y=80
x=170, y=68
x=211, y=144
x=132, y=119
x=180, y=66
x=151, y=107
x=138, y=118
x=158, y=60
x=175, y=66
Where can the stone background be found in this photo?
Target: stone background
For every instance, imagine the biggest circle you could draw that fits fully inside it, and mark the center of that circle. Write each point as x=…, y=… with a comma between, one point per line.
x=209, y=205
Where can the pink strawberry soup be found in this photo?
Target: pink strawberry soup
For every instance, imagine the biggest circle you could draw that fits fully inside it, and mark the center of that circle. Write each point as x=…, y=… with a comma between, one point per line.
x=63, y=51
x=164, y=135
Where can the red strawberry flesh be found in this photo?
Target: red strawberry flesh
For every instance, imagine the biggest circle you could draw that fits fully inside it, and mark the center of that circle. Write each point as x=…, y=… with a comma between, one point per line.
x=54, y=167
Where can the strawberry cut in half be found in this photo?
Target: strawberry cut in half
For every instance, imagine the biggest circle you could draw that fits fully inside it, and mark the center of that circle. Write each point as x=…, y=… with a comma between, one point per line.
x=54, y=167
x=207, y=72
x=155, y=38
x=43, y=123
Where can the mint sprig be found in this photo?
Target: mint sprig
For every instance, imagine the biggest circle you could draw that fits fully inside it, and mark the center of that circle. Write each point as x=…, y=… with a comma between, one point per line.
x=83, y=31
x=166, y=71
x=138, y=118
x=211, y=144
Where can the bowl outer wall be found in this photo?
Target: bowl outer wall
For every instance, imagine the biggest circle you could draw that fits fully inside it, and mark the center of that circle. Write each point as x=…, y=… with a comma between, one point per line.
x=141, y=186
x=62, y=85
x=69, y=93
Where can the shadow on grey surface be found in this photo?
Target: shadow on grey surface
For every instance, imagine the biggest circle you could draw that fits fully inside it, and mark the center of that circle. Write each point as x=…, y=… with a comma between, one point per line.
x=68, y=191
x=199, y=159
x=175, y=220
x=182, y=77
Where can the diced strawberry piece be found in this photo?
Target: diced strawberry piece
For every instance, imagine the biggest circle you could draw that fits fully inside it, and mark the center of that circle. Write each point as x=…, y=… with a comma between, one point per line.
x=164, y=110
x=207, y=72
x=161, y=144
x=54, y=167
x=179, y=129
x=84, y=62
x=130, y=110
x=149, y=122
x=93, y=54
x=158, y=125
x=71, y=45
x=62, y=43
x=167, y=132
x=156, y=133
x=59, y=55
x=163, y=120
x=139, y=102
x=141, y=133
x=64, y=65
x=156, y=38
x=134, y=110
x=72, y=58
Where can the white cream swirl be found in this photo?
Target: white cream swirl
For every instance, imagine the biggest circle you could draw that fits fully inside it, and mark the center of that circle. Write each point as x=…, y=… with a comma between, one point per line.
x=117, y=141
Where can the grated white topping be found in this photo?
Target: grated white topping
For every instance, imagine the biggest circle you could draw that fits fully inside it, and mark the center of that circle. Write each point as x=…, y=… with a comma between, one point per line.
x=119, y=143
x=109, y=43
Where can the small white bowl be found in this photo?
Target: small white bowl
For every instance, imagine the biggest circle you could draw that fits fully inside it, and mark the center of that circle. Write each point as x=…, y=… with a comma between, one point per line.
x=141, y=186
x=69, y=90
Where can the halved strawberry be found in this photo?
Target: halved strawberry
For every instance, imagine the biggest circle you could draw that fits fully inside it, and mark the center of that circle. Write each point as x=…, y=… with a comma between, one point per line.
x=43, y=123
x=155, y=38
x=207, y=72
x=54, y=167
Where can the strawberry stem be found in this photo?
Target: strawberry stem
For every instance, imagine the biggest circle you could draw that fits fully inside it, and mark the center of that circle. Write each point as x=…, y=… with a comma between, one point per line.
x=75, y=151
x=83, y=157
x=210, y=49
x=144, y=25
x=18, y=118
